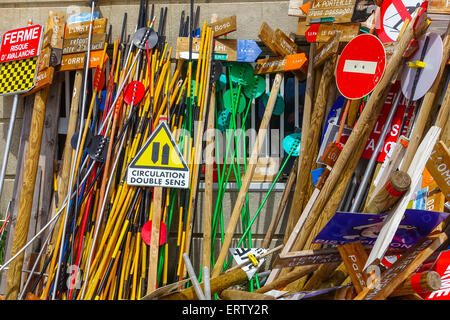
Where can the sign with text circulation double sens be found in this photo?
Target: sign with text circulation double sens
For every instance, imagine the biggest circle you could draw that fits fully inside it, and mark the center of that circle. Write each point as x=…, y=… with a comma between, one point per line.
x=159, y=163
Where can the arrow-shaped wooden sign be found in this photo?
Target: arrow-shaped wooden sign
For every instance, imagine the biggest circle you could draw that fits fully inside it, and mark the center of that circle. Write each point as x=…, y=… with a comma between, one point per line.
x=224, y=49
x=282, y=64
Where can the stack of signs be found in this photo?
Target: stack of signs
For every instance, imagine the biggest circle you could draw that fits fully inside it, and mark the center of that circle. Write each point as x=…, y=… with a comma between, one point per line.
x=76, y=42
x=19, y=59
x=393, y=134
x=224, y=49
x=51, y=53
x=347, y=227
x=241, y=255
x=324, y=18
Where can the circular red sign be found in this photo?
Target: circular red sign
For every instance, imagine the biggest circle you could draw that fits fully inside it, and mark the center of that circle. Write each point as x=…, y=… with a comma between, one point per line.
x=360, y=66
x=134, y=92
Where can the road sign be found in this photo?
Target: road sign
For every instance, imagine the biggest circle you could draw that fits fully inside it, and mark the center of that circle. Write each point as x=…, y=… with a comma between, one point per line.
x=21, y=43
x=393, y=14
x=224, y=26
x=432, y=60
x=159, y=163
x=224, y=49
x=19, y=58
x=360, y=66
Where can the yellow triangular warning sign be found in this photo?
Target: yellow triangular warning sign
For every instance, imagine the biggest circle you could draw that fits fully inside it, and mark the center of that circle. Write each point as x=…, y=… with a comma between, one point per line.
x=160, y=152
x=159, y=163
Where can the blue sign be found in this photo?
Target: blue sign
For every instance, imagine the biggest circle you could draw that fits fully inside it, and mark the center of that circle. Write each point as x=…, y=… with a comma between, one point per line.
x=247, y=51
x=82, y=17
x=347, y=227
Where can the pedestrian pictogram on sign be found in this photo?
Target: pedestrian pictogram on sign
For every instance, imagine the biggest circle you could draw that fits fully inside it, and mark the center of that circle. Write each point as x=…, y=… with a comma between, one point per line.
x=159, y=163
x=393, y=14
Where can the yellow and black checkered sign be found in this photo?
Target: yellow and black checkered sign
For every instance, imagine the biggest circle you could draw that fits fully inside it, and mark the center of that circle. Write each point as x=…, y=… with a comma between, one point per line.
x=17, y=76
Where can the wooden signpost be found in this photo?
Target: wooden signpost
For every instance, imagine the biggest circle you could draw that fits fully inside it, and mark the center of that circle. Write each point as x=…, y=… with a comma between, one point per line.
x=282, y=64
x=354, y=256
x=439, y=166
x=224, y=49
x=76, y=61
x=330, y=11
x=75, y=30
x=224, y=26
x=76, y=45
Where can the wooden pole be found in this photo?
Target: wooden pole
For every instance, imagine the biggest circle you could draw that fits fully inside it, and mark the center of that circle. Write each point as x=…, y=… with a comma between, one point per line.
x=26, y=197
x=209, y=176
x=248, y=176
x=427, y=281
x=307, y=124
x=218, y=284
x=283, y=281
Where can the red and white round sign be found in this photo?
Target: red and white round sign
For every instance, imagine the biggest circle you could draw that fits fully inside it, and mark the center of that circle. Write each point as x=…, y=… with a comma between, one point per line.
x=360, y=66
x=393, y=14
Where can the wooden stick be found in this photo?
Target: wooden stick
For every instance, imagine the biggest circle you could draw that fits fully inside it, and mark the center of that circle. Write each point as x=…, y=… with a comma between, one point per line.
x=209, y=177
x=248, y=176
x=26, y=196
x=308, y=123
x=286, y=279
x=152, y=280
x=218, y=284
x=427, y=281
x=397, y=184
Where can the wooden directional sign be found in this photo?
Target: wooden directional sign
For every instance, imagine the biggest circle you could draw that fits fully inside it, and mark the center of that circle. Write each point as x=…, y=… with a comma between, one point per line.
x=402, y=268
x=76, y=61
x=327, y=50
x=307, y=257
x=224, y=49
x=330, y=11
x=75, y=30
x=360, y=66
x=323, y=32
x=282, y=64
x=439, y=167
x=310, y=257
x=224, y=26
x=284, y=45
x=76, y=45
x=159, y=163
x=43, y=79
x=267, y=36
x=354, y=257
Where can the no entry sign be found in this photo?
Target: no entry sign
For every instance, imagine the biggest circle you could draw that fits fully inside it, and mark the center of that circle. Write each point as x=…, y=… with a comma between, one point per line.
x=360, y=66
x=20, y=43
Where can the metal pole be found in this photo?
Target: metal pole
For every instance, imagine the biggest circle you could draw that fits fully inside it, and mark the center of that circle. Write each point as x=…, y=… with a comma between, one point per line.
x=8, y=141
x=373, y=159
